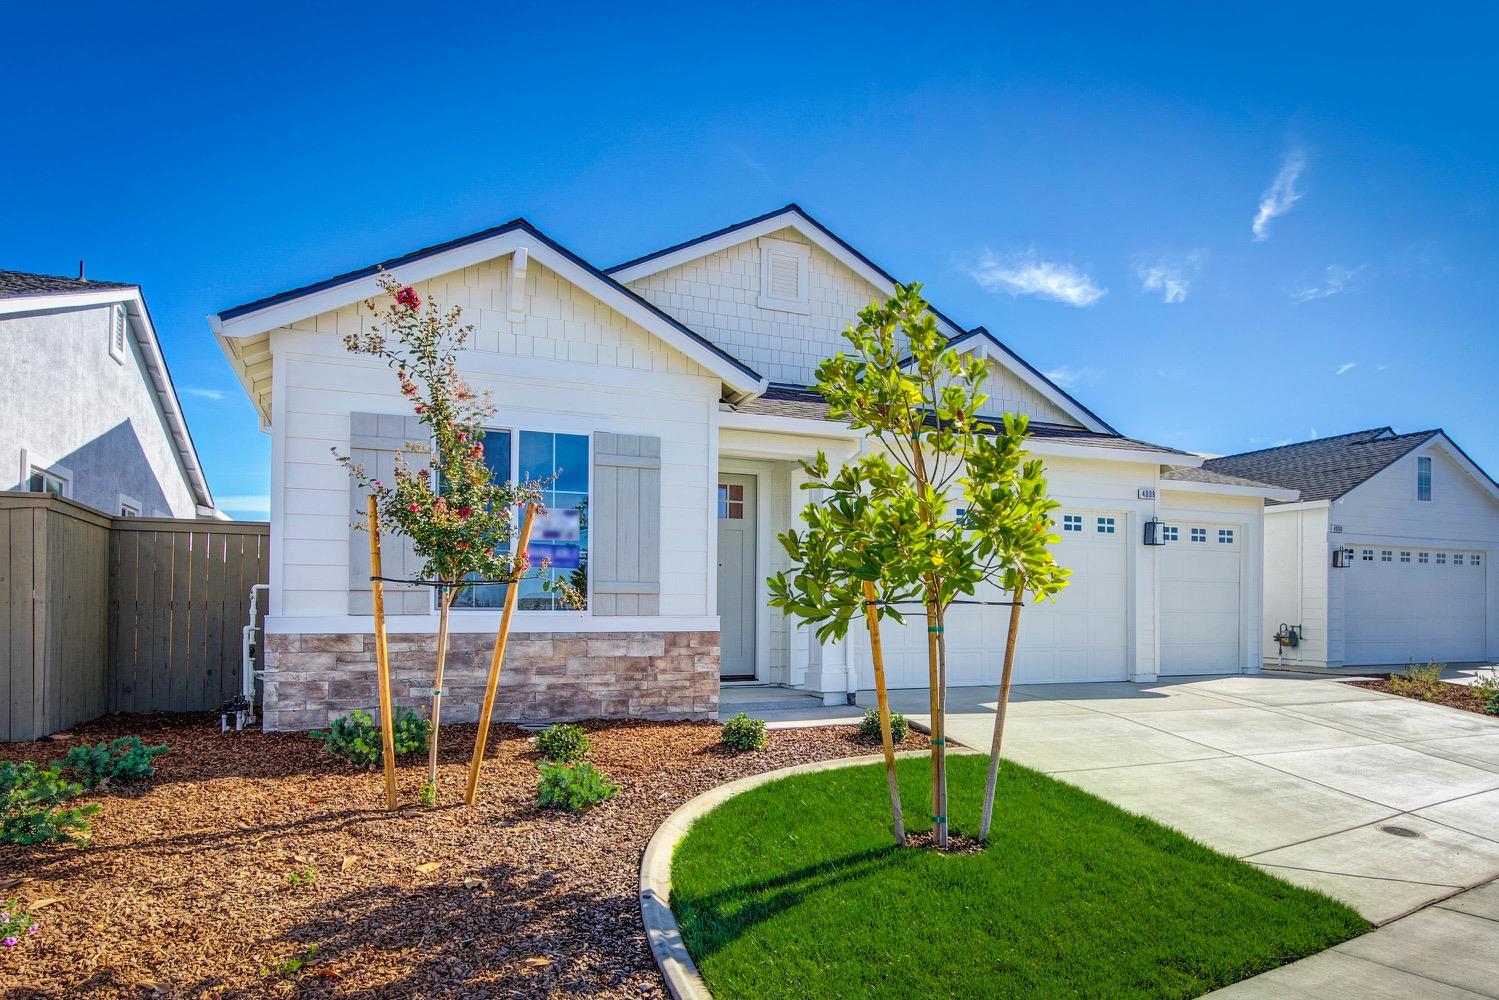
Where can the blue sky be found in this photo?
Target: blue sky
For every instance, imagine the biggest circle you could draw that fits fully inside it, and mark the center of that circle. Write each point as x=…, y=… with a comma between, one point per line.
x=1085, y=181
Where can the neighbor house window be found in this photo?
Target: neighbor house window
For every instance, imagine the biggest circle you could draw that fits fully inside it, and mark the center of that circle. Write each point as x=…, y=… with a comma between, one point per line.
x=1475, y=560
x=1441, y=558
x=560, y=463
x=1072, y=522
x=1368, y=555
x=1384, y=555
x=48, y=481
x=1199, y=534
x=1423, y=479
x=1225, y=536
x=1423, y=557
x=128, y=507
x=1105, y=525
x=1405, y=557
x=1457, y=559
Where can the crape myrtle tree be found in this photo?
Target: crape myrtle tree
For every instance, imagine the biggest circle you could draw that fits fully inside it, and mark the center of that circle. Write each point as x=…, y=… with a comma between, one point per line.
x=459, y=516
x=944, y=508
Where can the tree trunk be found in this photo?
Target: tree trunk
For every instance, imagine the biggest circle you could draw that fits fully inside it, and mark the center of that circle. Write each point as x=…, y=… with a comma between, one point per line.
x=939, y=725
x=444, y=602
x=871, y=618
x=999, y=714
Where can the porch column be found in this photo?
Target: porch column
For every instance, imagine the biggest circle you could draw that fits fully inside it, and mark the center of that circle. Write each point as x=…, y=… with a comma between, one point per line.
x=801, y=639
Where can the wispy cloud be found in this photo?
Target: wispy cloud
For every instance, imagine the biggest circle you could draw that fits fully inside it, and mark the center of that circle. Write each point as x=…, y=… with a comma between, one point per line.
x=205, y=393
x=248, y=503
x=1281, y=195
x=1067, y=376
x=1346, y=367
x=1171, y=276
x=1335, y=281
x=1026, y=275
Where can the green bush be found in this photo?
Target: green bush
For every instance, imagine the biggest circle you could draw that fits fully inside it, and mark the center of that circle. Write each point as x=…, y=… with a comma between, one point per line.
x=356, y=738
x=31, y=809
x=562, y=743
x=1419, y=682
x=124, y=759
x=869, y=726
x=743, y=733
x=573, y=787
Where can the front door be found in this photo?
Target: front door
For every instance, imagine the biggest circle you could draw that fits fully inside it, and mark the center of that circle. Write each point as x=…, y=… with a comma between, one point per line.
x=738, y=586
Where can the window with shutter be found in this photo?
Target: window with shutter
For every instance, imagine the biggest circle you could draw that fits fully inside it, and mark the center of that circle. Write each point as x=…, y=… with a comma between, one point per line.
x=374, y=440
x=783, y=275
x=625, y=525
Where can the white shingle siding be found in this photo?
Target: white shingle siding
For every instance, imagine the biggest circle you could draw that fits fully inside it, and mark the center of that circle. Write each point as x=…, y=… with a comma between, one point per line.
x=573, y=366
x=1008, y=393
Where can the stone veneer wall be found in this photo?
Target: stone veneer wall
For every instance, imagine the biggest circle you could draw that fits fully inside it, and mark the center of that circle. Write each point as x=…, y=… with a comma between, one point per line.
x=547, y=677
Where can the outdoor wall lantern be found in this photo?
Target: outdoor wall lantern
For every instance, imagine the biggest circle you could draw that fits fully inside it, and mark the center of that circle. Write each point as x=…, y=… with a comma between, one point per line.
x=1155, y=532
x=1342, y=558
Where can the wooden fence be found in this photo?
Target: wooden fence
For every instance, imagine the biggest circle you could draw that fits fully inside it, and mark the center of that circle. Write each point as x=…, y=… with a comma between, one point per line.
x=101, y=614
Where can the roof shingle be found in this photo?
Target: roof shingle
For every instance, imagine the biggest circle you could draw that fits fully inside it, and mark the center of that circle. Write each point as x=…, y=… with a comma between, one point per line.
x=14, y=283
x=1327, y=468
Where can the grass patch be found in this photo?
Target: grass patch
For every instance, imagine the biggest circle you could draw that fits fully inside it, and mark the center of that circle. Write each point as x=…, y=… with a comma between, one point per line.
x=794, y=889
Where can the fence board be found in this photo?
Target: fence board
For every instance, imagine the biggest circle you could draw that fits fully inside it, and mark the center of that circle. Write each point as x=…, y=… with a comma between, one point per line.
x=107, y=614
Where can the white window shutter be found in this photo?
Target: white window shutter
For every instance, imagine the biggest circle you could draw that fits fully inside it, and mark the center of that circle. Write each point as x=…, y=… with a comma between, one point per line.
x=624, y=525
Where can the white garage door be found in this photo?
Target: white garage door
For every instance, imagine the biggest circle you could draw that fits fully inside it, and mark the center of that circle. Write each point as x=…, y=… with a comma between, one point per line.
x=1201, y=604
x=1080, y=637
x=1414, y=604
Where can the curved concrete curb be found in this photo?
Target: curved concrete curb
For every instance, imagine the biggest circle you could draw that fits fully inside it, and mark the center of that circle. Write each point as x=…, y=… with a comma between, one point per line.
x=682, y=979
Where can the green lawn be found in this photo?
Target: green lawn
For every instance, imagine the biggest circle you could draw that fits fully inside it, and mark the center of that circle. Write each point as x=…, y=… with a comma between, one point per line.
x=794, y=889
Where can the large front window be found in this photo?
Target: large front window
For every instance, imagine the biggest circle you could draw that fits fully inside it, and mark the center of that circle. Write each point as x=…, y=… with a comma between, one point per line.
x=560, y=463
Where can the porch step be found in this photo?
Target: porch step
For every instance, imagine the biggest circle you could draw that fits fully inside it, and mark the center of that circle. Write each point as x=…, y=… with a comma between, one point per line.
x=763, y=698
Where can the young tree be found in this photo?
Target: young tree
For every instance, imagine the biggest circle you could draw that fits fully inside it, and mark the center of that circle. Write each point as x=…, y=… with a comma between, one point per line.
x=459, y=517
x=938, y=510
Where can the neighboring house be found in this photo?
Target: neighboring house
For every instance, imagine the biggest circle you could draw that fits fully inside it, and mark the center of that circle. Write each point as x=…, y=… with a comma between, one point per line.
x=90, y=412
x=670, y=392
x=1389, y=555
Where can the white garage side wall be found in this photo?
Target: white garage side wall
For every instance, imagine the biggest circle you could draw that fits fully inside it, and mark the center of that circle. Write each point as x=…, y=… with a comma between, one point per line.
x=1461, y=515
x=572, y=366
x=1300, y=586
x=1246, y=516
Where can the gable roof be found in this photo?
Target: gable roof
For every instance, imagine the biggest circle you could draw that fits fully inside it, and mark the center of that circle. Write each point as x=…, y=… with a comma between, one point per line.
x=19, y=283
x=1326, y=468
x=795, y=217
x=340, y=290
x=23, y=292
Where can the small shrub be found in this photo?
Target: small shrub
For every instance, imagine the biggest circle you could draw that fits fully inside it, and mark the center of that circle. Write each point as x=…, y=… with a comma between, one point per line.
x=356, y=738
x=1419, y=682
x=16, y=925
x=124, y=759
x=743, y=733
x=1487, y=686
x=869, y=726
x=562, y=742
x=427, y=795
x=302, y=880
x=31, y=809
x=573, y=787
x=293, y=965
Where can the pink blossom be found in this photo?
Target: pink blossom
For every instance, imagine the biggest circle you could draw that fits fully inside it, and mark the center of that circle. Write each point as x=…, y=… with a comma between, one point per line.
x=414, y=508
x=10, y=942
x=408, y=298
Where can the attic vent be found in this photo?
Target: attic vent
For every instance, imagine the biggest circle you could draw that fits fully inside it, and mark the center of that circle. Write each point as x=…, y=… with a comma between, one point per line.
x=117, y=333
x=783, y=275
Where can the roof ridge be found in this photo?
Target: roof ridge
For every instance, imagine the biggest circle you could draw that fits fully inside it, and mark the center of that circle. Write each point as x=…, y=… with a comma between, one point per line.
x=1303, y=444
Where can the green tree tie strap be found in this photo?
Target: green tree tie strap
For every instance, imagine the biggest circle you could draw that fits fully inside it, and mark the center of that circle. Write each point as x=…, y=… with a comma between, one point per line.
x=939, y=819
x=934, y=629
x=939, y=741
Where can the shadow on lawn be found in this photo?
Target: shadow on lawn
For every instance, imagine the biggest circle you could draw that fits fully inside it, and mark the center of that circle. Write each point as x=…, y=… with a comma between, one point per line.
x=520, y=932
x=717, y=919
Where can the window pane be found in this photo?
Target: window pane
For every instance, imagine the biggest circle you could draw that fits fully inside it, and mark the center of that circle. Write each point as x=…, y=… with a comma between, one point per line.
x=535, y=455
x=572, y=462
x=497, y=454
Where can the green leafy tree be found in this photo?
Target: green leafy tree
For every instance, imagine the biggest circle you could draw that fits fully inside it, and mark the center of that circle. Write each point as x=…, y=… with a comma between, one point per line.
x=459, y=517
x=944, y=508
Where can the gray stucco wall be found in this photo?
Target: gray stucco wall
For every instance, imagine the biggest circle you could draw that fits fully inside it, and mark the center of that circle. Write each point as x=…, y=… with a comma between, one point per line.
x=69, y=403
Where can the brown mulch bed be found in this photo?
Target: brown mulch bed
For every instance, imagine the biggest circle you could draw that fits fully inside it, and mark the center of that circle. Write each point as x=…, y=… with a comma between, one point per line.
x=184, y=890
x=1451, y=695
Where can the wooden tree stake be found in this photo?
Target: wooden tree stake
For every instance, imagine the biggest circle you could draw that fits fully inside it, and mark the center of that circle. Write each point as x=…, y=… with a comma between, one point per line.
x=871, y=618
x=999, y=715
x=382, y=660
x=497, y=660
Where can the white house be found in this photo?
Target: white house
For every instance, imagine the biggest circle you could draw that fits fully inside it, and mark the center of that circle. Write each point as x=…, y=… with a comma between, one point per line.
x=91, y=413
x=1388, y=556
x=671, y=392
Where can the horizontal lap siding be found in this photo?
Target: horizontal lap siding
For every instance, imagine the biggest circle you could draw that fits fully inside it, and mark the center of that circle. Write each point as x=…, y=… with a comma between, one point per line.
x=625, y=381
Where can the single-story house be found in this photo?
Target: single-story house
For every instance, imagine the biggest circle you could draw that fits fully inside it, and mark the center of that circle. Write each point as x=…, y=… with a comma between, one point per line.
x=672, y=393
x=1387, y=557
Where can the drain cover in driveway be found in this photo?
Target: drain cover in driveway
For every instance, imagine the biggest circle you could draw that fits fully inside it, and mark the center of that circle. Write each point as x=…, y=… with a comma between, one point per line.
x=1399, y=831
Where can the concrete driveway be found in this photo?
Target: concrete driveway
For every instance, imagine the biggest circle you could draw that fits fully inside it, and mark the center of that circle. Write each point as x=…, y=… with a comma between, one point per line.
x=1385, y=803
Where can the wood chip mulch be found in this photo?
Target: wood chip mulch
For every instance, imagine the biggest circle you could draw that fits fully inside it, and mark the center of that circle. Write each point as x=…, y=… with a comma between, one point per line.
x=185, y=889
x=1452, y=695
